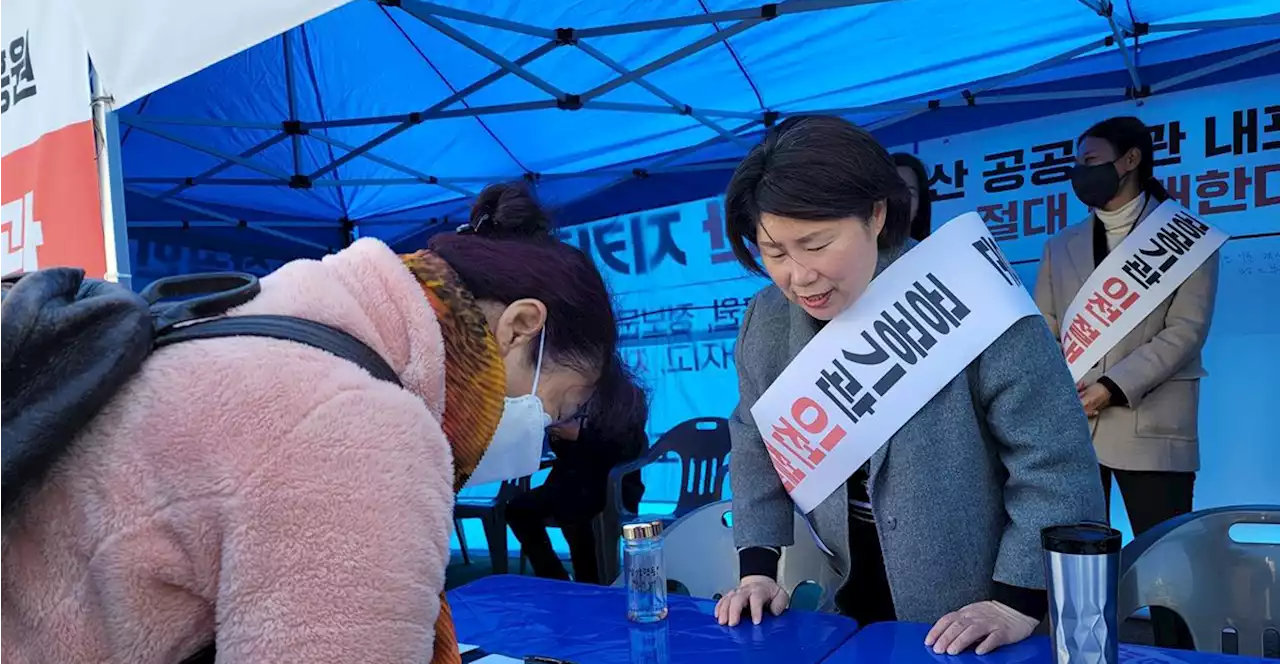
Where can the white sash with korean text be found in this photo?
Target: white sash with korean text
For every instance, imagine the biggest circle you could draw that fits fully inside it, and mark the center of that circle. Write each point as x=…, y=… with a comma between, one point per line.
x=1145, y=269
x=919, y=324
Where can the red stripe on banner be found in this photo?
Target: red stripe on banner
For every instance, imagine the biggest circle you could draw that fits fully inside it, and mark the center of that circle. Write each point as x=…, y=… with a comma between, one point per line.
x=58, y=175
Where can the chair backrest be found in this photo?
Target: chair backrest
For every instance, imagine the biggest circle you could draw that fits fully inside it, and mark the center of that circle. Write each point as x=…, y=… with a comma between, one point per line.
x=701, y=558
x=1227, y=591
x=699, y=552
x=702, y=444
x=805, y=571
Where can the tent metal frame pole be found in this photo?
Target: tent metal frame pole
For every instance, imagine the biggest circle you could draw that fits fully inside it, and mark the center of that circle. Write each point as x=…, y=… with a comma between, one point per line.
x=437, y=115
x=1092, y=93
x=111, y=203
x=357, y=122
x=902, y=117
x=473, y=17
x=976, y=94
x=764, y=12
x=1108, y=11
x=1072, y=54
x=668, y=159
x=237, y=182
x=672, y=58
x=367, y=153
x=199, y=147
x=292, y=93
x=628, y=107
x=411, y=120
x=1184, y=77
x=981, y=87
x=677, y=105
x=891, y=107
x=266, y=182
x=412, y=7
x=198, y=223
x=232, y=221
x=1265, y=19
x=132, y=118
x=214, y=170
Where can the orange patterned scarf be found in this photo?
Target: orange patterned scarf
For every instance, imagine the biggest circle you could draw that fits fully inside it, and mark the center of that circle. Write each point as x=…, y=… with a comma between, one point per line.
x=475, y=383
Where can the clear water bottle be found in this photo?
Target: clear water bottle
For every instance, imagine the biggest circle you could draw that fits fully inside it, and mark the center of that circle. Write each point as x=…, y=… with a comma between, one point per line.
x=645, y=571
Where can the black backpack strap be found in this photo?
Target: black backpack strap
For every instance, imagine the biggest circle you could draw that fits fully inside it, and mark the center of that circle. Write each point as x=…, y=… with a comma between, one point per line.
x=287, y=328
x=201, y=295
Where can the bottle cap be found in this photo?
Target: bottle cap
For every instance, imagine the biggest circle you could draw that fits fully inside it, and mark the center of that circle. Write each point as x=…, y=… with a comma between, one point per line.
x=639, y=531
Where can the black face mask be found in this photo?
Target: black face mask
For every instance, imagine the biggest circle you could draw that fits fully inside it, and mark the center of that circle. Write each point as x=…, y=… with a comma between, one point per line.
x=1096, y=185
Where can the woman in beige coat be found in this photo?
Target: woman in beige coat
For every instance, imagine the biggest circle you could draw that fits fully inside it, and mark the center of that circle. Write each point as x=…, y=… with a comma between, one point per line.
x=1142, y=398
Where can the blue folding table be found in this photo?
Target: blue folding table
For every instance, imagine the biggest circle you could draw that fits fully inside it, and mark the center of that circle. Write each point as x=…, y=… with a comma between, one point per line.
x=522, y=616
x=903, y=643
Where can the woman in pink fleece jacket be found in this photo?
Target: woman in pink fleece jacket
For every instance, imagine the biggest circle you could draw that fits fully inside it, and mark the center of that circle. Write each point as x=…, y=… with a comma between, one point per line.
x=282, y=501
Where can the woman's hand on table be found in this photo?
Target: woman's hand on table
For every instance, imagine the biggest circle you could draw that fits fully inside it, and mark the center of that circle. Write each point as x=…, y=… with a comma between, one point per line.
x=988, y=624
x=755, y=593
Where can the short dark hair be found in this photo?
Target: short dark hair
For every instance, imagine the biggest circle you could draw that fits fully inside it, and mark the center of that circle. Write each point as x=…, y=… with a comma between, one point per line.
x=508, y=253
x=815, y=168
x=1124, y=133
x=922, y=224
x=619, y=409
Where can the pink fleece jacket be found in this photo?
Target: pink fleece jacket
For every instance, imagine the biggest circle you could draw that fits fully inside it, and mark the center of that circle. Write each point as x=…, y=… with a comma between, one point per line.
x=258, y=489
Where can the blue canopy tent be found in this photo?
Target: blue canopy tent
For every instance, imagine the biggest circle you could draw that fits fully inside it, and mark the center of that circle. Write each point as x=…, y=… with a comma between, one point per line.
x=383, y=118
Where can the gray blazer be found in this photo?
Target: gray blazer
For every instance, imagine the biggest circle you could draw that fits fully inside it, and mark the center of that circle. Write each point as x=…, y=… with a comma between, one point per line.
x=960, y=492
x=1157, y=365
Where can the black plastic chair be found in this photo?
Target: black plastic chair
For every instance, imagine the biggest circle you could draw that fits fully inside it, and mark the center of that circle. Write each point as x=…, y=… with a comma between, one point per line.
x=492, y=512
x=702, y=446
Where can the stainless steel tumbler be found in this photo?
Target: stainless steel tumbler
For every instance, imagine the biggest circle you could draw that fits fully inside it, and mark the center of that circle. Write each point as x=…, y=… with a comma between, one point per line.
x=1082, y=570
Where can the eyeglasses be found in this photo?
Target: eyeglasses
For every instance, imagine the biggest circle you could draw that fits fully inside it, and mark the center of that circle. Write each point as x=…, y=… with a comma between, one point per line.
x=579, y=418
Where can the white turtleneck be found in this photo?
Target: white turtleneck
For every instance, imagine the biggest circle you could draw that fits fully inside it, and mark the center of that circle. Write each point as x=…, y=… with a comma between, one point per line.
x=1120, y=221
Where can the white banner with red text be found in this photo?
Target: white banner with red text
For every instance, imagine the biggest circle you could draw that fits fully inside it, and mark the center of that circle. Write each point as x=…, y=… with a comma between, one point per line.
x=49, y=193
x=870, y=369
x=1143, y=271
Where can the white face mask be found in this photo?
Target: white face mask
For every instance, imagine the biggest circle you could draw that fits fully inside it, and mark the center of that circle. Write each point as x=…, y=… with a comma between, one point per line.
x=516, y=448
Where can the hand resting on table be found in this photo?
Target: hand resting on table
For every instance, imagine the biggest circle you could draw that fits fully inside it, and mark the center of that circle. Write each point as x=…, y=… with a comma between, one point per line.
x=754, y=593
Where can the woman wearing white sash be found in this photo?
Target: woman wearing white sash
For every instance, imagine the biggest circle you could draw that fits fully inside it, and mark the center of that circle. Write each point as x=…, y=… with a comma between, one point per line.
x=942, y=525
x=1142, y=398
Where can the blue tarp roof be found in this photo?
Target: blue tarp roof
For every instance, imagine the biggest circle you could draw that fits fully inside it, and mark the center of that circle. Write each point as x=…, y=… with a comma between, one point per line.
x=370, y=60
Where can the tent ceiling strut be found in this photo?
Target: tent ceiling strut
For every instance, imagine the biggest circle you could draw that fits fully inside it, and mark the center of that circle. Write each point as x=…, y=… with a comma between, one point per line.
x=432, y=14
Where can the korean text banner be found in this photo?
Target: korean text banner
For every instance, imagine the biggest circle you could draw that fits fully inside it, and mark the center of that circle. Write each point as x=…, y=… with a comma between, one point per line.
x=917, y=327
x=49, y=193
x=680, y=296
x=1217, y=152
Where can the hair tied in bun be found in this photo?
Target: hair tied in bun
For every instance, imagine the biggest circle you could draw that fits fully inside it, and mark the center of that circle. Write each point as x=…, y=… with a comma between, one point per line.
x=508, y=212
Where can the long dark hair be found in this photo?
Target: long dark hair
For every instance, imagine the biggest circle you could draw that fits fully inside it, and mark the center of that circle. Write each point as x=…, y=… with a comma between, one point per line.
x=922, y=223
x=816, y=168
x=1124, y=133
x=507, y=253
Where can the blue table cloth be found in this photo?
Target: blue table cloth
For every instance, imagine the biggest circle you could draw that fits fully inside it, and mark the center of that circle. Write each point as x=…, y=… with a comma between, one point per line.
x=903, y=643
x=522, y=616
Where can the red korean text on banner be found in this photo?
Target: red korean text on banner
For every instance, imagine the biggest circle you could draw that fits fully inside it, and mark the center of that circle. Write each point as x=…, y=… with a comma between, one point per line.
x=50, y=204
x=799, y=443
x=49, y=193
